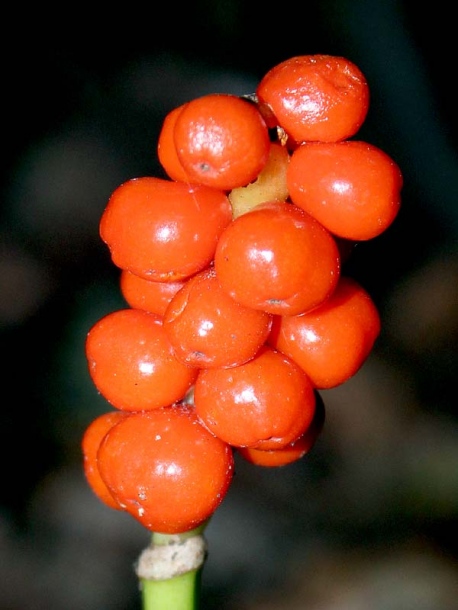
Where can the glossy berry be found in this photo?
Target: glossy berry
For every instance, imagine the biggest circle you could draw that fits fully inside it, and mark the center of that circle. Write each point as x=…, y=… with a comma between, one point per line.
x=132, y=364
x=292, y=452
x=166, y=469
x=166, y=150
x=232, y=270
x=352, y=188
x=331, y=342
x=268, y=402
x=207, y=328
x=316, y=97
x=163, y=230
x=92, y=437
x=147, y=294
x=278, y=259
x=221, y=140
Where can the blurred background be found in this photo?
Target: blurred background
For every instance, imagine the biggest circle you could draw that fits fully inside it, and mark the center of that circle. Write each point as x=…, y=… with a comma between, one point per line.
x=366, y=520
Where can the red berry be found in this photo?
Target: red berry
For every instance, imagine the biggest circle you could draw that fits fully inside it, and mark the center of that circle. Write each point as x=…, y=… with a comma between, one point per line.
x=207, y=328
x=265, y=403
x=166, y=150
x=163, y=230
x=132, y=363
x=293, y=451
x=166, y=469
x=331, y=342
x=221, y=140
x=316, y=97
x=278, y=259
x=90, y=444
x=147, y=294
x=352, y=188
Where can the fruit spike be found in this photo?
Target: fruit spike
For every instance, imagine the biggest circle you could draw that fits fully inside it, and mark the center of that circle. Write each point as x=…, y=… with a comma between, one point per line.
x=237, y=256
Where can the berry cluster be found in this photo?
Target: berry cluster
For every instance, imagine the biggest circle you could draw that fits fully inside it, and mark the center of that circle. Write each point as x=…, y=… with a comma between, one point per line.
x=238, y=311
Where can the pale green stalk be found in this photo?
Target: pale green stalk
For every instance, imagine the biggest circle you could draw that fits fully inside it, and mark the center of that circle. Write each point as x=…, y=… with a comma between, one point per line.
x=170, y=571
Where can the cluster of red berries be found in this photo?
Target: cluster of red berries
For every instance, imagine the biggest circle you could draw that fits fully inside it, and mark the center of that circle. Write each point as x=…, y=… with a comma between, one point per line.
x=238, y=312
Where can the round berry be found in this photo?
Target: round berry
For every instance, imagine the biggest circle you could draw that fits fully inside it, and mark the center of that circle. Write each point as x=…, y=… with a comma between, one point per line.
x=207, y=328
x=316, y=97
x=331, y=342
x=149, y=295
x=221, y=140
x=278, y=259
x=92, y=437
x=163, y=230
x=165, y=469
x=132, y=363
x=268, y=402
x=292, y=452
x=352, y=188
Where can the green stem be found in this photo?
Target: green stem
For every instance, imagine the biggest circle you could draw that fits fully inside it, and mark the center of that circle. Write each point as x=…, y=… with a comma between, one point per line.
x=178, y=593
x=170, y=571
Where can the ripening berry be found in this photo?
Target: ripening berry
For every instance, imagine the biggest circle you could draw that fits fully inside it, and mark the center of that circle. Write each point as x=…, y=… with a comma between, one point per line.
x=316, y=97
x=331, y=342
x=267, y=403
x=207, y=328
x=277, y=258
x=165, y=469
x=352, y=188
x=221, y=140
x=92, y=437
x=132, y=363
x=163, y=230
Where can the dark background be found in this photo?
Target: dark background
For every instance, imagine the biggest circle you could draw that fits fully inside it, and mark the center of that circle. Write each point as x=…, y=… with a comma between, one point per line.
x=366, y=520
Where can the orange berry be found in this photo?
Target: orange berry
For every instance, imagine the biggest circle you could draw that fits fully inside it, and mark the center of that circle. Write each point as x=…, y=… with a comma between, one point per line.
x=277, y=258
x=331, y=342
x=316, y=97
x=90, y=443
x=147, y=294
x=207, y=328
x=132, y=364
x=165, y=469
x=272, y=458
x=163, y=230
x=291, y=452
x=352, y=188
x=267, y=402
x=166, y=150
x=221, y=141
